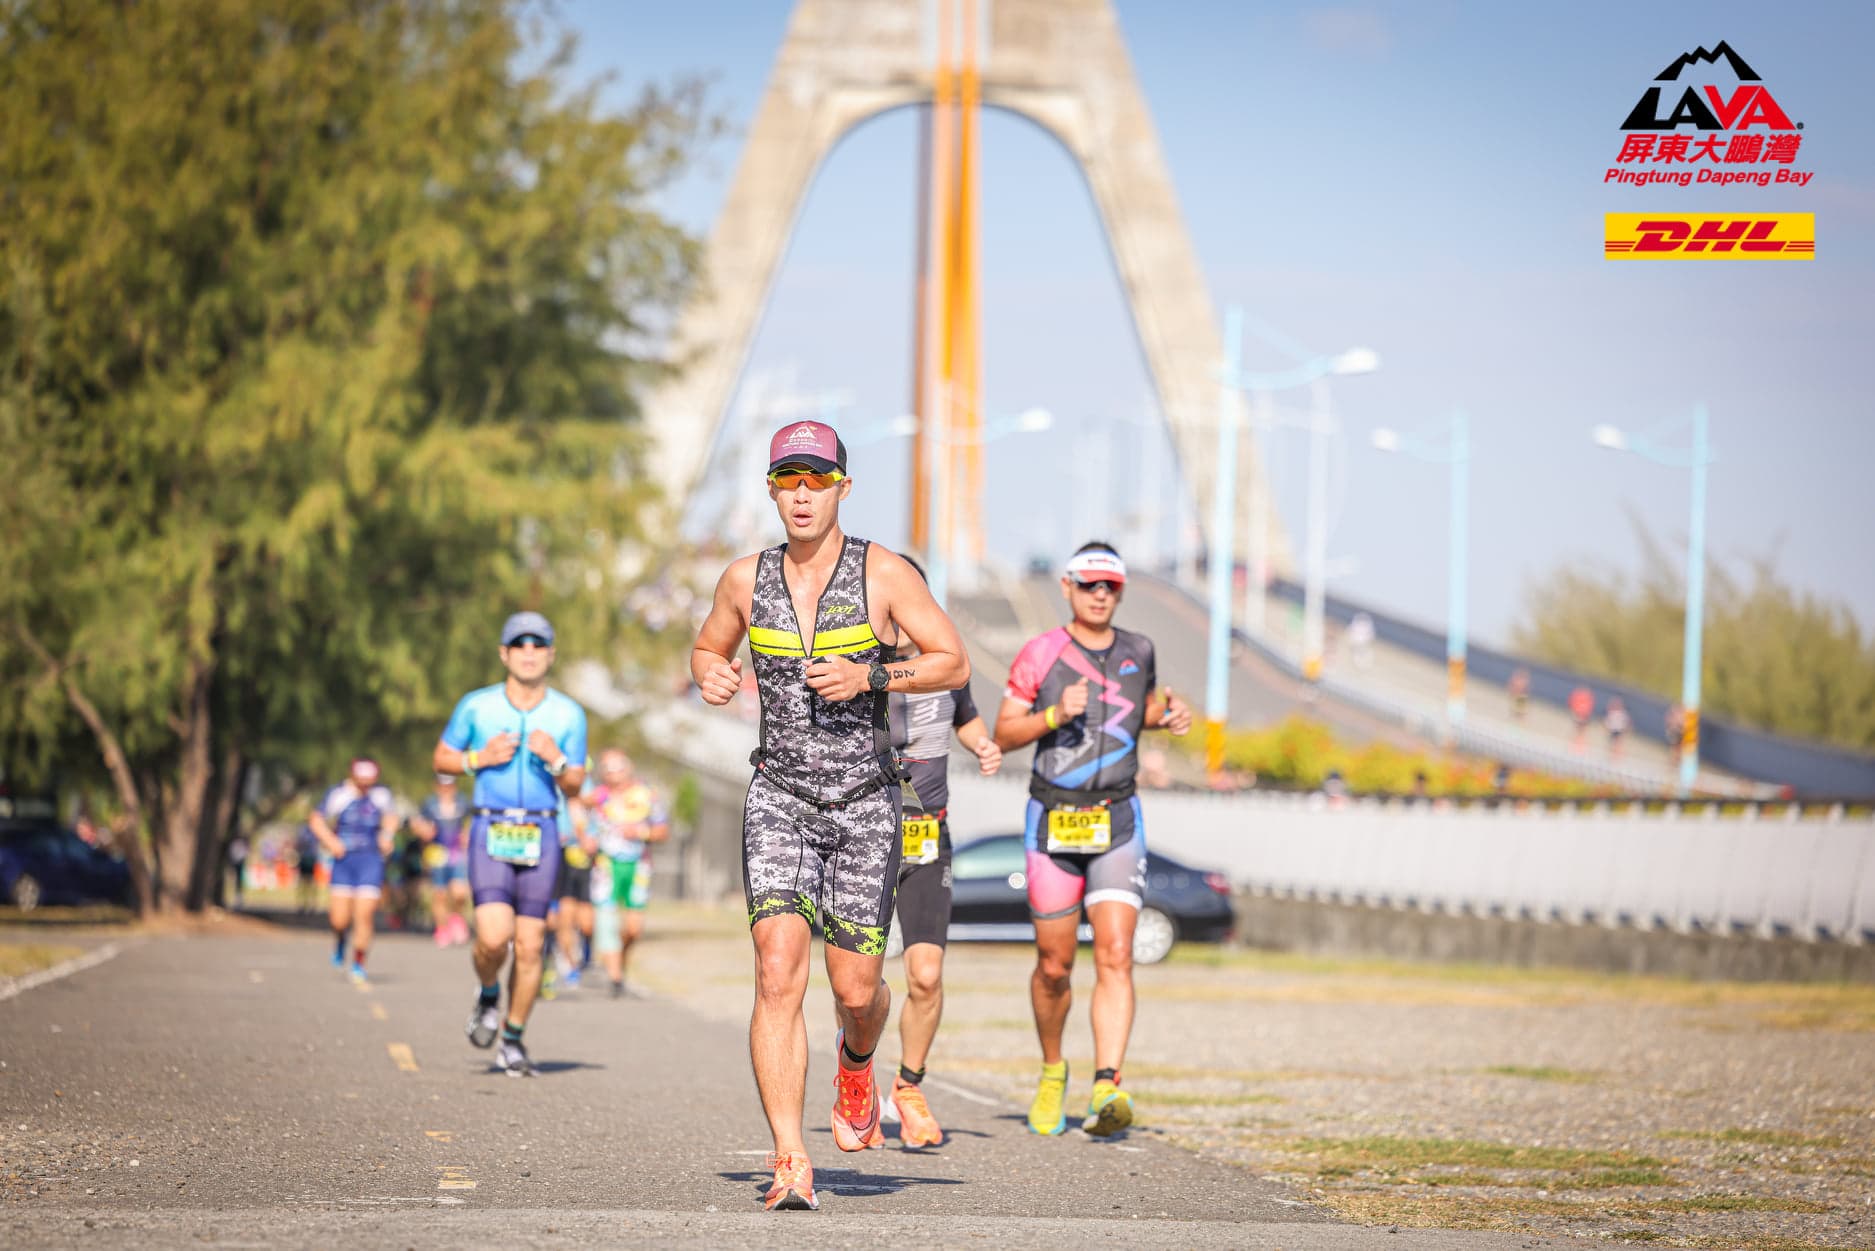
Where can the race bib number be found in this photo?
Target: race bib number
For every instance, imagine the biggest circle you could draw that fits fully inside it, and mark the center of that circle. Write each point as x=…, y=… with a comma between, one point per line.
x=515, y=842
x=921, y=840
x=1080, y=830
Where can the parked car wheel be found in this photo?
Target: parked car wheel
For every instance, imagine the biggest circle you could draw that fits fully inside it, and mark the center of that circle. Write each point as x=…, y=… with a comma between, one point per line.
x=1153, y=936
x=27, y=893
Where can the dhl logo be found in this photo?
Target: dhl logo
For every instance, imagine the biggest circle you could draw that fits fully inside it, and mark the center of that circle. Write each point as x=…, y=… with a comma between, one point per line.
x=1745, y=237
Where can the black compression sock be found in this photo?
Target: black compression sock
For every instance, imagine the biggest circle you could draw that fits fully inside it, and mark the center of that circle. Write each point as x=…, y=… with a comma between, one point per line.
x=853, y=1059
x=1107, y=1075
x=911, y=1077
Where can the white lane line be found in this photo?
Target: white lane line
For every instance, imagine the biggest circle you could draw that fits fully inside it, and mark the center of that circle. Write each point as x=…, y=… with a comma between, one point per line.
x=748, y=1153
x=965, y=1093
x=77, y=964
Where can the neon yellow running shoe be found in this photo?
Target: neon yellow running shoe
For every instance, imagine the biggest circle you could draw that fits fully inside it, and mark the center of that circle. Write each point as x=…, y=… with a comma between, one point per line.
x=1048, y=1115
x=1109, y=1111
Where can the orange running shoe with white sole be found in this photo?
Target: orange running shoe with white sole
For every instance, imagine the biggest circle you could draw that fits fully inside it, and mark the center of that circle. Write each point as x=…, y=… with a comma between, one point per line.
x=855, y=1104
x=916, y=1126
x=793, y=1190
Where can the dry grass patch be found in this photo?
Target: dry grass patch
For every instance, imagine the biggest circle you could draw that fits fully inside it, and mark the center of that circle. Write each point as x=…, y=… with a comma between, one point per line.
x=1391, y=1153
x=1756, y=1137
x=1542, y=1073
x=19, y=959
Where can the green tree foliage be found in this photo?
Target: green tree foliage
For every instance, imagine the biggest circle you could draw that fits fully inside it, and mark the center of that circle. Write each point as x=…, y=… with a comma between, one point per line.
x=322, y=322
x=1775, y=658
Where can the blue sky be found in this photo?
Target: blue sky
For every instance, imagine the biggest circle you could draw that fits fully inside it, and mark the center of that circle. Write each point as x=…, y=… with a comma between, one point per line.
x=1423, y=179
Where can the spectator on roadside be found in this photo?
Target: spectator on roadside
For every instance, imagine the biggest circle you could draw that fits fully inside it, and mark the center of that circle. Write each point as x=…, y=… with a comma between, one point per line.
x=237, y=868
x=1360, y=639
x=307, y=849
x=1582, y=711
x=1336, y=788
x=1519, y=688
x=1676, y=731
x=1617, y=722
x=1422, y=787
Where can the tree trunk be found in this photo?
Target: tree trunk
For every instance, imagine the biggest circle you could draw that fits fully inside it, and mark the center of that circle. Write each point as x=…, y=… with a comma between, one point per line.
x=211, y=845
x=127, y=830
x=181, y=832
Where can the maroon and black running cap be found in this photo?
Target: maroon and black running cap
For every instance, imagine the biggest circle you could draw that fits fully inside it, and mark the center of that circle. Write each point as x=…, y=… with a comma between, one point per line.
x=809, y=445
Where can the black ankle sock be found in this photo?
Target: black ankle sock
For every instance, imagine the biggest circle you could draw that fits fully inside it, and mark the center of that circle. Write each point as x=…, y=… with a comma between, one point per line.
x=911, y=1077
x=510, y=1032
x=1107, y=1075
x=854, y=1059
x=492, y=993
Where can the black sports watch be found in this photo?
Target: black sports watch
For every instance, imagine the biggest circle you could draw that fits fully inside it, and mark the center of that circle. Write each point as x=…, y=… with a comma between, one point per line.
x=876, y=677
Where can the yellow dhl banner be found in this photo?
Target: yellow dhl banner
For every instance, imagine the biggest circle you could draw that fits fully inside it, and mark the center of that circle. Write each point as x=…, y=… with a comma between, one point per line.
x=1709, y=236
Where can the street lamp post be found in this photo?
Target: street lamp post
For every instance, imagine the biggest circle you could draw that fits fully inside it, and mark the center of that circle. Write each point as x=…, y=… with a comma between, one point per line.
x=1457, y=454
x=1029, y=421
x=1224, y=508
x=1222, y=558
x=1697, y=460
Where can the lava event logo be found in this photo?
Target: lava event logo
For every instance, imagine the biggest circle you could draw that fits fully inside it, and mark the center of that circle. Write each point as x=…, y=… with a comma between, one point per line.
x=1740, y=136
x=1709, y=237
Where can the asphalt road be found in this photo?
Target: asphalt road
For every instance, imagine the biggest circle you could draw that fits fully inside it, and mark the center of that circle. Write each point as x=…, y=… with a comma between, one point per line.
x=236, y=1091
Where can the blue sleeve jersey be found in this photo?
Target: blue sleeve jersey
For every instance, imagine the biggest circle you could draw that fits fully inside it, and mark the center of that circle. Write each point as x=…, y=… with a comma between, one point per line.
x=523, y=782
x=355, y=817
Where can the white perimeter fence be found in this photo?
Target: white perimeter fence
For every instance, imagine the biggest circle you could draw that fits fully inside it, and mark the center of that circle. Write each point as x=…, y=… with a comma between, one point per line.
x=1812, y=877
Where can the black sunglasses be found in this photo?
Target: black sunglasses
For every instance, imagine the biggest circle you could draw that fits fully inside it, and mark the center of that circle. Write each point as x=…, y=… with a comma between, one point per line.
x=1090, y=587
x=531, y=640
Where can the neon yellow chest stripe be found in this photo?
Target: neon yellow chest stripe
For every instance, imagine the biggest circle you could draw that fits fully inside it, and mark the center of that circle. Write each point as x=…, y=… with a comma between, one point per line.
x=840, y=642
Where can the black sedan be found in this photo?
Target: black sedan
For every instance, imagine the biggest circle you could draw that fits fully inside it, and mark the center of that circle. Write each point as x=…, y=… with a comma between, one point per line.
x=990, y=900
x=48, y=865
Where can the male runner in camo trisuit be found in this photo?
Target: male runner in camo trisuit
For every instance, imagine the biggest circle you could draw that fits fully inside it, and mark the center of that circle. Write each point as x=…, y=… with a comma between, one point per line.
x=921, y=731
x=1085, y=834
x=820, y=838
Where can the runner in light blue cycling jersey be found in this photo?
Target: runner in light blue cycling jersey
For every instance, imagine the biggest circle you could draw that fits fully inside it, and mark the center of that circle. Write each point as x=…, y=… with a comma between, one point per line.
x=525, y=745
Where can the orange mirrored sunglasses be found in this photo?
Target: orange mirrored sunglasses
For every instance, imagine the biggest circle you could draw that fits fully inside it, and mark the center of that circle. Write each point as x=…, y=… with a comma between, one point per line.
x=791, y=479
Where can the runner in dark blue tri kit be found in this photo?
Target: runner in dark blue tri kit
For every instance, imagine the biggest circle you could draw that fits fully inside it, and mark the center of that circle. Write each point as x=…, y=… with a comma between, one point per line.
x=525, y=745
x=1082, y=694
x=355, y=823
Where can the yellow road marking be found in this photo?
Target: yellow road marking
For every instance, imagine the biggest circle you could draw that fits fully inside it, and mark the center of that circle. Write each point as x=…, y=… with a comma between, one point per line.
x=378, y=1013
x=453, y=1177
x=402, y=1057
x=440, y=1135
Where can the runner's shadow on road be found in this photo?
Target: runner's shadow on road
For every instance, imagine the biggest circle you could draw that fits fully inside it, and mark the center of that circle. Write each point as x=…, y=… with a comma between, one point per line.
x=846, y=1181
x=546, y=1068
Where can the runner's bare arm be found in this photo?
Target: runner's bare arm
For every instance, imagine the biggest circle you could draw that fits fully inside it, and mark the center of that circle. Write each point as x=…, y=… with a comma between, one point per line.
x=1166, y=711
x=322, y=830
x=941, y=664
x=497, y=751
x=714, y=665
x=976, y=736
x=1018, y=724
x=899, y=595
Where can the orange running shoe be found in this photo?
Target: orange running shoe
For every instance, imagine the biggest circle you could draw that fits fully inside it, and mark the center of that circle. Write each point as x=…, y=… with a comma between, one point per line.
x=855, y=1104
x=916, y=1126
x=793, y=1190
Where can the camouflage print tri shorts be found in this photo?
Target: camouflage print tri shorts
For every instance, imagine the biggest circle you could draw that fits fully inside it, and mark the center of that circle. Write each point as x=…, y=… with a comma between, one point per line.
x=836, y=867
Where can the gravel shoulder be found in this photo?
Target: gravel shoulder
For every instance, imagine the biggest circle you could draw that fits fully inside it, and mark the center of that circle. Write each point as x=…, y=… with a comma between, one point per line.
x=1446, y=1096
